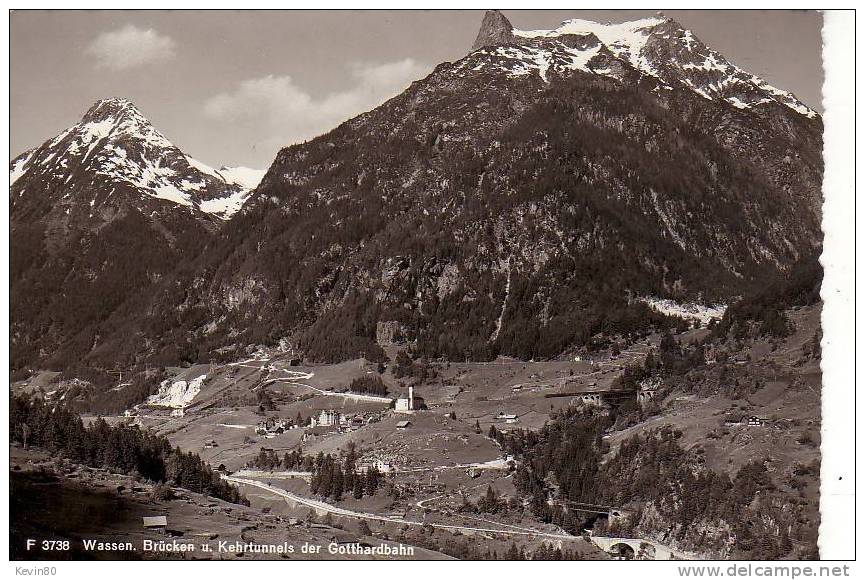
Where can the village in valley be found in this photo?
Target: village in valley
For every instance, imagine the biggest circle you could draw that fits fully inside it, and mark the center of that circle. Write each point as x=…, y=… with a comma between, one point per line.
x=426, y=456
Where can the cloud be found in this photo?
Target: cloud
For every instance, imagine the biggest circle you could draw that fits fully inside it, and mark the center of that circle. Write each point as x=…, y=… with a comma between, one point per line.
x=130, y=47
x=287, y=113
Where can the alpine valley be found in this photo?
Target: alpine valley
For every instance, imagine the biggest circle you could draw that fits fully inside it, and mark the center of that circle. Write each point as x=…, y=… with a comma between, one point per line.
x=552, y=205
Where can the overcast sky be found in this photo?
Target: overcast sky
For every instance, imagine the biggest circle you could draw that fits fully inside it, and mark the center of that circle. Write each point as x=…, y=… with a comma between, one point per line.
x=232, y=87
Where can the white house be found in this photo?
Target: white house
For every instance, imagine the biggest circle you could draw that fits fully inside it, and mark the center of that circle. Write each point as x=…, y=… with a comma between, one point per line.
x=326, y=418
x=405, y=404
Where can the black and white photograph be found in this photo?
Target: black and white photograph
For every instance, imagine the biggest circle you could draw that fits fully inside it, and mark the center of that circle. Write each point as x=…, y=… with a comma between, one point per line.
x=523, y=284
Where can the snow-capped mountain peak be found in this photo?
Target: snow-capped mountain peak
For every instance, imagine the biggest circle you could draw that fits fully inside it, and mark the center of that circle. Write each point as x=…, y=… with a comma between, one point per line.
x=627, y=35
x=656, y=46
x=116, y=117
x=114, y=109
x=114, y=151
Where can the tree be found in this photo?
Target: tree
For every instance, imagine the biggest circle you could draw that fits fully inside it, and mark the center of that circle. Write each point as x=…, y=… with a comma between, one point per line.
x=650, y=363
x=372, y=480
x=402, y=365
x=338, y=483
x=265, y=402
x=489, y=503
x=371, y=384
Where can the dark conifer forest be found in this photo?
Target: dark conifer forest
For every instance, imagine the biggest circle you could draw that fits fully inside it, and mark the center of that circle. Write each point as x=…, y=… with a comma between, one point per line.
x=120, y=448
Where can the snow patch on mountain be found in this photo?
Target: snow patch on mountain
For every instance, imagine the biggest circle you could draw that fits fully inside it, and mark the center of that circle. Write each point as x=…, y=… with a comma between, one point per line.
x=625, y=40
x=173, y=194
x=787, y=98
x=518, y=61
x=245, y=177
x=203, y=167
x=687, y=310
x=225, y=207
x=19, y=167
x=629, y=34
x=147, y=174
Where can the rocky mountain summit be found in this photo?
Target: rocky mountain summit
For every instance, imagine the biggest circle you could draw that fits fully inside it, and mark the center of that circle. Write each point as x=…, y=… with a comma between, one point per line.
x=660, y=56
x=495, y=30
x=116, y=156
x=657, y=47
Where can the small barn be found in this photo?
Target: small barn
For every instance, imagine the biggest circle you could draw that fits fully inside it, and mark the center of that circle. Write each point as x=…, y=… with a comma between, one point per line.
x=403, y=424
x=155, y=523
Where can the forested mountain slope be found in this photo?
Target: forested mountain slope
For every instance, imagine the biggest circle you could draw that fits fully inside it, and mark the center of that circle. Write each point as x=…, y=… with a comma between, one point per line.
x=515, y=201
x=519, y=201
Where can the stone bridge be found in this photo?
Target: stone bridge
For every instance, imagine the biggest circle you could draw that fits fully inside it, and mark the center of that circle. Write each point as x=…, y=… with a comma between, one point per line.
x=636, y=548
x=600, y=397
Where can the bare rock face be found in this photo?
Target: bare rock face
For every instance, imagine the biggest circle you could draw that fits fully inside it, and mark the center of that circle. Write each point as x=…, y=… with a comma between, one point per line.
x=495, y=30
x=390, y=333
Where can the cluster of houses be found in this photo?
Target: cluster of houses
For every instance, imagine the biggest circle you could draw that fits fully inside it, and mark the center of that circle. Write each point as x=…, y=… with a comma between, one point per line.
x=271, y=427
x=331, y=419
x=376, y=462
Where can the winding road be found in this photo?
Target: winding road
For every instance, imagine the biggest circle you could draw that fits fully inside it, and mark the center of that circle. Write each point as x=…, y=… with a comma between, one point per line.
x=324, y=507
x=293, y=377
